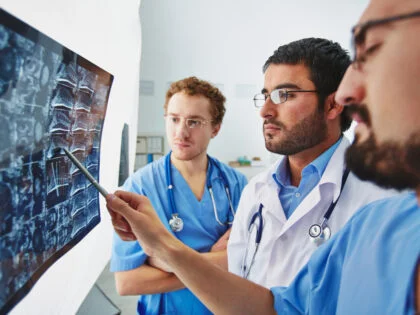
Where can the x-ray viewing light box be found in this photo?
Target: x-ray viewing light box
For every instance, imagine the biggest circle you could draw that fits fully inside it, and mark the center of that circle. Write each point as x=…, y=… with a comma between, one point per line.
x=50, y=98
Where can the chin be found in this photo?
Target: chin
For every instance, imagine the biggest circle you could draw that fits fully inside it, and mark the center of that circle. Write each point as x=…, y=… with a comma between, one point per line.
x=389, y=165
x=183, y=155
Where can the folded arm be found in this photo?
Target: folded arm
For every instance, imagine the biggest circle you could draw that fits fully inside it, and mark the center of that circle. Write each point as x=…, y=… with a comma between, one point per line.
x=145, y=280
x=156, y=277
x=220, y=291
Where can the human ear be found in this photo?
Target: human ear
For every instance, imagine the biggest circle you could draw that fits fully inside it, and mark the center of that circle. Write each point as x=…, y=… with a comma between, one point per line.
x=332, y=108
x=215, y=130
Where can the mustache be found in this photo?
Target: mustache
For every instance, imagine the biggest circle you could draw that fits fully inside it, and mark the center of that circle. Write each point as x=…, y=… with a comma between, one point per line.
x=274, y=122
x=361, y=110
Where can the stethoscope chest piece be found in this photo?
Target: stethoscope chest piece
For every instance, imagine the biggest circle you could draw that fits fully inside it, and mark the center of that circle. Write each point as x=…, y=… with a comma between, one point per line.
x=319, y=234
x=176, y=223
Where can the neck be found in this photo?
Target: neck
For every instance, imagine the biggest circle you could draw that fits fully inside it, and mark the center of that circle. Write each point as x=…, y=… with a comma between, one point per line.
x=418, y=195
x=299, y=161
x=190, y=168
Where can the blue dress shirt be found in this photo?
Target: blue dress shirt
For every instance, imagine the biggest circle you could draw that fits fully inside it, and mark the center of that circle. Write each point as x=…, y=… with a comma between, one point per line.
x=291, y=196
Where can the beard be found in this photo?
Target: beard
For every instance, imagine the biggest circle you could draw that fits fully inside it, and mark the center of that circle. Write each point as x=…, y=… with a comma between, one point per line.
x=309, y=132
x=390, y=164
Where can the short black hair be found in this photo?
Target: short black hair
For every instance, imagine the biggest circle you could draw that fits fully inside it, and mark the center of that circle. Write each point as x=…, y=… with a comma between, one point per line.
x=327, y=62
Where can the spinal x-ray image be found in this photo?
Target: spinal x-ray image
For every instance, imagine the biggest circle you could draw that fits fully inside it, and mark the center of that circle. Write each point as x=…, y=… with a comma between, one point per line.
x=50, y=98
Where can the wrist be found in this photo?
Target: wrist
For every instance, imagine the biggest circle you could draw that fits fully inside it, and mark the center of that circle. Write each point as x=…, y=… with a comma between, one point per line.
x=171, y=249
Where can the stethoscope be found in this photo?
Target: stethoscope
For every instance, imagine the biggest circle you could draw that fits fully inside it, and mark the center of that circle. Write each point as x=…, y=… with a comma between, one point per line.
x=176, y=223
x=318, y=233
x=258, y=223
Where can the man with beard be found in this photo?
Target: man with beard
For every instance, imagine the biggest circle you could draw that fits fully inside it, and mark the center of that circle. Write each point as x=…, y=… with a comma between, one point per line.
x=187, y=188
x=372, y=265
x=308, y=194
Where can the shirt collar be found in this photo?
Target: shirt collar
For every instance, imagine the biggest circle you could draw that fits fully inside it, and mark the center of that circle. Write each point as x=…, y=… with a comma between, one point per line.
x=282, y=174
x=321, y=162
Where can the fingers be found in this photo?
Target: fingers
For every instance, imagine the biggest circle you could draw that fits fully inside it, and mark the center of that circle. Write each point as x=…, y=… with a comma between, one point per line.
x=227, y=234
x=116, y=205
x=134, y=200
x=222, y=242
x=121, y=224
x=125, y=236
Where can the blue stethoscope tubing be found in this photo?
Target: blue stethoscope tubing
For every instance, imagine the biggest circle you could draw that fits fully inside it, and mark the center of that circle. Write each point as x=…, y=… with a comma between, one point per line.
x=170, y=192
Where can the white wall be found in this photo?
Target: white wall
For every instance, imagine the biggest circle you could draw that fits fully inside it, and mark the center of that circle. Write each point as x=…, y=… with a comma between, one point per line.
x=107, y=33
x=227, y=42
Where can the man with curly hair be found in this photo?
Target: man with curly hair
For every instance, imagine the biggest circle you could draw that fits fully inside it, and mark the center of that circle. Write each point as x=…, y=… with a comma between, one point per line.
x=194, y=195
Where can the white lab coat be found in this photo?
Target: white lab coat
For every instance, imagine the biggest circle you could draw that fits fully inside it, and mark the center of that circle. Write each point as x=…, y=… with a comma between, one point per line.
x=285, y=245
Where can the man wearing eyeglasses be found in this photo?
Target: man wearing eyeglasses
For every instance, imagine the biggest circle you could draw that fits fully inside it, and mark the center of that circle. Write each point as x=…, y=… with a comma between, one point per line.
x=194, y=195
x=308, y=194
x=371, y=266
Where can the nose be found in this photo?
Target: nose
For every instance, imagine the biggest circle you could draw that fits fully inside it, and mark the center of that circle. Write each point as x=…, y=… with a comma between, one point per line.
x=269, y=109
x=181, y=129
x=351, y=90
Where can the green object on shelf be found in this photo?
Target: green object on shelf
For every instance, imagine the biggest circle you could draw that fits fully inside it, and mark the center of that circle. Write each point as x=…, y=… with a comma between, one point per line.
x=243, y=161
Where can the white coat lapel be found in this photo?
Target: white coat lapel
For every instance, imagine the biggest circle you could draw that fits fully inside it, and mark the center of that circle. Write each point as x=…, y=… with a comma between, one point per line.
x=273, y=213
x=272, y=203
x=332, y=174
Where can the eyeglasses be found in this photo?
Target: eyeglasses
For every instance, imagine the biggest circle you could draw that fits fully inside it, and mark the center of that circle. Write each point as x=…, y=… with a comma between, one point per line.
x=191, y=123
x=277, y=96
x=359, y=35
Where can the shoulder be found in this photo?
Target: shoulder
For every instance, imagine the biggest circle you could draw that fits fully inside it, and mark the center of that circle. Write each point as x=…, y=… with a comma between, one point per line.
x=266, y=176
x=144, y=176
x=368, y=191
x=151, y=168
x=229, y=171
x=388, y=209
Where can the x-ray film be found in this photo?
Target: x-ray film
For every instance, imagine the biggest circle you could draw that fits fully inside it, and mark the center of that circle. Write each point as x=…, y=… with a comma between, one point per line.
x=50, y=98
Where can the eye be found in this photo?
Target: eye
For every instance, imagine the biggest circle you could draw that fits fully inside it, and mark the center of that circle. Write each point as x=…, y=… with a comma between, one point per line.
x=288, y=95
x=277, y=96
x=193, y=123
x=368, y=52
x=173, y=119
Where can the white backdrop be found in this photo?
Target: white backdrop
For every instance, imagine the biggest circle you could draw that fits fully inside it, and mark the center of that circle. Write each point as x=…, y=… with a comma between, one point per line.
x=107, y=33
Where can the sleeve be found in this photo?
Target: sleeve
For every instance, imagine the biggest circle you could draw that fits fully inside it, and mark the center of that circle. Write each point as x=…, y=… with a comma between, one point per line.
x=127, y=255
x=239, y=235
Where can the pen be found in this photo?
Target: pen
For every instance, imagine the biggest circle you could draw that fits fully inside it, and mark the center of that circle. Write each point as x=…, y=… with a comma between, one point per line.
x=86, y=172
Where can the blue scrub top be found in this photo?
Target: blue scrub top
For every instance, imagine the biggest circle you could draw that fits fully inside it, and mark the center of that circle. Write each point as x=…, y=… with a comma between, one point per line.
x=200, y=231
x=367, y=268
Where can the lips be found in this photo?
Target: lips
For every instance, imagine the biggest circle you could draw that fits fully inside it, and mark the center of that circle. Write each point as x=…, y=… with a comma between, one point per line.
x=359, y=113
x=182, y=144
x=356, y=117
x=271, y=126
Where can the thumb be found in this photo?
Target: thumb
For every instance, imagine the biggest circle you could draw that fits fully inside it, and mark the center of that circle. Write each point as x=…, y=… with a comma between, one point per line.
x=119, y=206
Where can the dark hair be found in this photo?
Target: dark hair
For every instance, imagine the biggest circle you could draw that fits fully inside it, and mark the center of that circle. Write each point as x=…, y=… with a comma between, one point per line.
x=327, y=62
x=195, y=86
